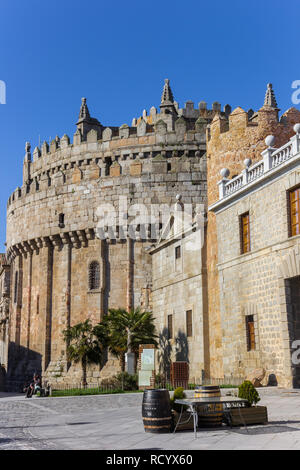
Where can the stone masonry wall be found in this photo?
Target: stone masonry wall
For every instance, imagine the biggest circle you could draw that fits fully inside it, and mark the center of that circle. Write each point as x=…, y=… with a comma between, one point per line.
x=229, y=143
x=150, y=166
x=253, y=283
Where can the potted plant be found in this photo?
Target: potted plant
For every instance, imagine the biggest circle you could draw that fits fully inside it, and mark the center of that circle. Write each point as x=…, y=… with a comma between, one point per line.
x=186, y=419
x=252, y=414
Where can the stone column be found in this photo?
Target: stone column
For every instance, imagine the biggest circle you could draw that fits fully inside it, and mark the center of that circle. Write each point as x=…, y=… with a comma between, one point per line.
x=29, y=249
x=17, y=292
x=61, y=285
x=47, y=268
x=103, y=279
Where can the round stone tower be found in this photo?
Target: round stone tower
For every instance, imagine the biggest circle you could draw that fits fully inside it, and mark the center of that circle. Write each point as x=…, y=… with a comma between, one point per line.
x=62, y=270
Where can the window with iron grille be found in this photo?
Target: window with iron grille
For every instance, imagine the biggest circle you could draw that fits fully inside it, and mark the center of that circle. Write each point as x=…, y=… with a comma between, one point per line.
x=94, y=275
x=170, y=326
x=294, y=212
x=250, y=333
x=189, y=323
x=245, y=233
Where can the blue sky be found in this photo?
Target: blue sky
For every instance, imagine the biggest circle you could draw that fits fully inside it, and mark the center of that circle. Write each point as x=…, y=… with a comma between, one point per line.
x=117, y=55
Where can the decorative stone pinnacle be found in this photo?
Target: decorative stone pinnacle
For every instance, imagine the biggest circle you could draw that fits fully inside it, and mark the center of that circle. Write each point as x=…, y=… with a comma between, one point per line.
x=270, y=99
x=27, y=152
x=224, y=172
x=84, y=111
x=297, y=128
x=270, y=140
x=167, y=95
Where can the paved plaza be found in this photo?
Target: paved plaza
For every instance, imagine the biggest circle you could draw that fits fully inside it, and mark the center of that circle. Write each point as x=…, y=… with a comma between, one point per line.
x=115, y=422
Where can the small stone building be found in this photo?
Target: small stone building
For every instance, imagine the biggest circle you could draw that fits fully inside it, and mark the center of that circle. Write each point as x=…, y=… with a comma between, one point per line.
x=259, y=264
x=178, y=294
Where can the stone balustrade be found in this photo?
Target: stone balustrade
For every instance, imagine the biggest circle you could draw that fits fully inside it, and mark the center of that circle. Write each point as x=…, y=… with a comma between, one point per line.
x=273, y=160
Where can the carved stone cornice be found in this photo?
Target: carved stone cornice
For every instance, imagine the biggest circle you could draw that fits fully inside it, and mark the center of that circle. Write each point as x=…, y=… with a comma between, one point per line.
x=90, y=233
x=56, y=240
x=27, y=247
x=82, y=237
x=21, y=249
x=47, y=242
x=66, y=240
x=76, y=238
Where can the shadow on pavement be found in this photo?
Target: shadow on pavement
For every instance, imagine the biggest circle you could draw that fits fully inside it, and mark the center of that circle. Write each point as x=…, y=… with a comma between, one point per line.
x=266, y=429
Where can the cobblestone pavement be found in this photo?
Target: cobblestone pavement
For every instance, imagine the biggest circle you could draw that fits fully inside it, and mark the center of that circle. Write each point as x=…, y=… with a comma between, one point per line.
x=115, y=422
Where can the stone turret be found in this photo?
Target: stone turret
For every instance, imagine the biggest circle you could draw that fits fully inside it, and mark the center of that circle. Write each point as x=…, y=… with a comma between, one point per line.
x=270, y=99
x=86, y=123
x=52, y=236
x=167, y=105
x=27, y=164
x=84, y=114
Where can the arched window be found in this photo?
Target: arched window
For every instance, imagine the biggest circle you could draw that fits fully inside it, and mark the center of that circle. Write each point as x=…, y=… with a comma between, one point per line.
x=94, y=275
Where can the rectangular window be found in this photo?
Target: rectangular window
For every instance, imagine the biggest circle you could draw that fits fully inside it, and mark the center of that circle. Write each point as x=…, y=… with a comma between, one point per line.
x=177, y=252
x=170, y=326
x=294, y=212
x=189, y=323
x=250, y=333
x=61, y=220
x=245, y=233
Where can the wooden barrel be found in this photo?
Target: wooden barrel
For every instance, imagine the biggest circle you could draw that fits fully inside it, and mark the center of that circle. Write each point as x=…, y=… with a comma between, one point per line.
x=156, y=411
x=209, y=415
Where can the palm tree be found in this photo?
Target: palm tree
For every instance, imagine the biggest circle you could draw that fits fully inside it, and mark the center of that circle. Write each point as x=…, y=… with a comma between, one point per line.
x=127, y=330
x=85, y=344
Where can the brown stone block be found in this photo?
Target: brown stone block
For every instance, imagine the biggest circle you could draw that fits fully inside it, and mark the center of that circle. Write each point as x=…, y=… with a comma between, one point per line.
x=115, y=169
x=136, y=168
x=76, y=175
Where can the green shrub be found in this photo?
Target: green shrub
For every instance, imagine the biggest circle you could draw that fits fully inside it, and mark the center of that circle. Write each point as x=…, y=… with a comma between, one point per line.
x=83, y=391
x=178, y=394
x=127, y=381
x=121, y=381
x=248, y=392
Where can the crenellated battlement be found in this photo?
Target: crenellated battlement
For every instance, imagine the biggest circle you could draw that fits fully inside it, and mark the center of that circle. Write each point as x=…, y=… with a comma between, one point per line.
x=189, y=112
x=239, y=120
x=241, y=134
x=98, y=152
x=147, y=164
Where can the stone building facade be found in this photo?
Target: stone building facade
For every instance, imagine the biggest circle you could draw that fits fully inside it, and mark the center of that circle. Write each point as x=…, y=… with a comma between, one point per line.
x=229, y=142
x=61, y=271
x=70, y=254
x=260, y=282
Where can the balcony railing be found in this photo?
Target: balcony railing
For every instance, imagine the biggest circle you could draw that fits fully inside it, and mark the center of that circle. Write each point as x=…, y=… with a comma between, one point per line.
x=272, y=160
